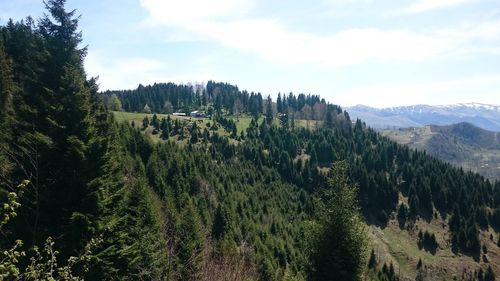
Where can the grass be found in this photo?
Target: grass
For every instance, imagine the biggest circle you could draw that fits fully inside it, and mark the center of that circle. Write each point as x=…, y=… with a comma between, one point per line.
x=390, y=243
x=136, y=119
x=242, y=122
x=399, y=246
x=485, y=161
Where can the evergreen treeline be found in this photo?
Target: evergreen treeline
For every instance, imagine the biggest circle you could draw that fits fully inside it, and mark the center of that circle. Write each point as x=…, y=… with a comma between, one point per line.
x=382, y=169
x=52, y=126
x=212, y=97
x=103, y=202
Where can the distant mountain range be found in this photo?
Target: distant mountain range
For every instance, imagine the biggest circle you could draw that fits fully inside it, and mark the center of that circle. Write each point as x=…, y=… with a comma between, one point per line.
x=461, y=144
x=485, y=116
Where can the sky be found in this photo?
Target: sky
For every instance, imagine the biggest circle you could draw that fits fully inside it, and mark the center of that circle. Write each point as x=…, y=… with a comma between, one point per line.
x=379, y=53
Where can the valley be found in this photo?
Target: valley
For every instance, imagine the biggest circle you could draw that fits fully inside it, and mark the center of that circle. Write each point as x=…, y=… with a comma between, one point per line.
x=485, y=116
x=462, y=145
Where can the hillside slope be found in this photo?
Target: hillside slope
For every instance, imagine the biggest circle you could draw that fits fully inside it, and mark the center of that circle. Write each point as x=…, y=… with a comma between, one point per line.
x=262, y=190
x=463, y=145
x=392, y=241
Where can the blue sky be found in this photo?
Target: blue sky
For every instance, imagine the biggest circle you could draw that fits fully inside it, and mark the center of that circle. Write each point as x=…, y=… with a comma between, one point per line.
x=374, y=52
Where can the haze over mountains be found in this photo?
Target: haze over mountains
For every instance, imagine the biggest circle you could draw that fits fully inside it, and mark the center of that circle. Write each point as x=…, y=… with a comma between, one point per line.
x=462, y=144
x=485, y=116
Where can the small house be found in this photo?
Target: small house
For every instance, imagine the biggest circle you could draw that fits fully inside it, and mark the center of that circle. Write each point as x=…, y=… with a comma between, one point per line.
x=198, y=114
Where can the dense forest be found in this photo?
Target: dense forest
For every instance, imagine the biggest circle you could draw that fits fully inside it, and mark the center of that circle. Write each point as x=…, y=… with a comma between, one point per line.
x=213, y=98
x=87, y=197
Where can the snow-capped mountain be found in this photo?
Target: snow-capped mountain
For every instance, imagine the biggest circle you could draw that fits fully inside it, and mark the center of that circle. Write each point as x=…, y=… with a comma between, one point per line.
x=485, y=116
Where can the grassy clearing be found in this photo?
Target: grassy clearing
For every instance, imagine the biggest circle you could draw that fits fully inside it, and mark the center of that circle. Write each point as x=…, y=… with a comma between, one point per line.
x=391, y=243
x=136, y=120
x=242, y=122
x=416, y=137
x=399, y=246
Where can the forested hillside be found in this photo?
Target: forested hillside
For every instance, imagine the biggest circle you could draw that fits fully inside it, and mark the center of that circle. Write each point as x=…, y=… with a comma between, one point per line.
x=86, y=196
x=463, y=145
x=212, y=97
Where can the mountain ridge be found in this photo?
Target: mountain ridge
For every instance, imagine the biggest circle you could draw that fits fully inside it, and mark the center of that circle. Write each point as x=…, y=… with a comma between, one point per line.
x=462, y=144
x=485, y=116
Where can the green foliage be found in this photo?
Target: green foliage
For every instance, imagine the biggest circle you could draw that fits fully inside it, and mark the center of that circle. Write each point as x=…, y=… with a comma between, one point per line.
x=387, y=273
x=222, y=223
x=43, y=264
x=402, y=214
x=9, y=258
x=427, y=241
x=7, y=91
x=269, y=111
x=145, y=123
x=190, y=251
x=338, y=252
x=372, y=262
x=258, y=202
x=9, y=208
x=114, y=103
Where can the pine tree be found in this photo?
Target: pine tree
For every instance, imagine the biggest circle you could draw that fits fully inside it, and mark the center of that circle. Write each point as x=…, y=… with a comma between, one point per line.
x=269, y=111
x=329, y=118
x=489, y=274
x=339, y=249
x=191, y=244
x=155, y=122
x=402, y=214
x=66, y=127
x=419, y=264
x=222, y=223
x=164, y=134
x=284, y=120
x=372, y=262
x=7, y=115
x=194, y=133
x=145, y=123
x=279, y=106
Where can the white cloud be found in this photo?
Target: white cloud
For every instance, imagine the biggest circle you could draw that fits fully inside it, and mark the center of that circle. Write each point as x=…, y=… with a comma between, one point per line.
x=183, y=12
x=473, y=38
x=118, y=73
x=271, y=39
x=348, y=2
x=233, y=26
x=421, y=6
x=128, y=73
x=487, y=30
x=484, y=89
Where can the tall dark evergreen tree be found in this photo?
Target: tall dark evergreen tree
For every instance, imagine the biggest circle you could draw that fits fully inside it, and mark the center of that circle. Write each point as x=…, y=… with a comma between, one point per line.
x=7, y=91
x=269, y=111
x=339, y=250
x=54, y=129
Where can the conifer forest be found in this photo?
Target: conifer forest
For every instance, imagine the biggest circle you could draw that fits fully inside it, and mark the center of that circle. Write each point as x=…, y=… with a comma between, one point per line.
x=210, y=182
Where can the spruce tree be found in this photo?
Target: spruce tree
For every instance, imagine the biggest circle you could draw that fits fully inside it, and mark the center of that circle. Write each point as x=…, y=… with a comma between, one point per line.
x=269, y=111
x=66, y=128
x=190, y=252
x=7, y=115
x=339, y=249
